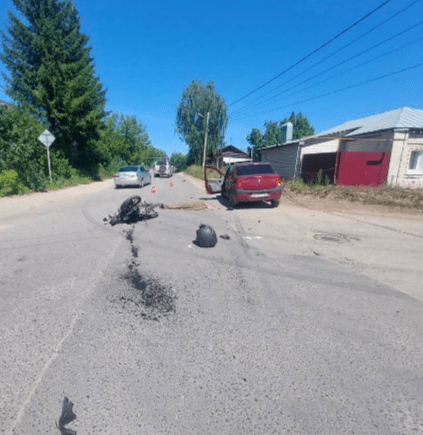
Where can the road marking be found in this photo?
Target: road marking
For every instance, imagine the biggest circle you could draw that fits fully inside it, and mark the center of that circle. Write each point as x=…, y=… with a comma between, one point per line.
x=53, y=356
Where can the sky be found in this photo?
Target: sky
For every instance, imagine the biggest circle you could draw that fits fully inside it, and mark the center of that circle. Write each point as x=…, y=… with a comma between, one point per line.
x=147, y=52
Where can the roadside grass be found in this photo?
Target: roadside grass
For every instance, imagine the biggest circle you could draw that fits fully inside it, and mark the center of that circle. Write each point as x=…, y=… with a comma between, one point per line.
x=380, y=195
x=197, y=172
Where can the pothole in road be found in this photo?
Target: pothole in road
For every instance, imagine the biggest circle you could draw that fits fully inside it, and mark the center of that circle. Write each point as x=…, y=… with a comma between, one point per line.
x=333, y=238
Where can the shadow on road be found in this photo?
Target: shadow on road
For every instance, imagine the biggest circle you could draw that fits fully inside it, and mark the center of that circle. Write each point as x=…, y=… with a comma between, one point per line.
x=244, y=205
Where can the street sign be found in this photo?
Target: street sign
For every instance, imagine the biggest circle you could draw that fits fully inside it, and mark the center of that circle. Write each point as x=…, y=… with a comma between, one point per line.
x=46, y=138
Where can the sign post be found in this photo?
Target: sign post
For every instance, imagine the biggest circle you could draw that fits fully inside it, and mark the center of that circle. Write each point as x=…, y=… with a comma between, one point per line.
x=47, y=139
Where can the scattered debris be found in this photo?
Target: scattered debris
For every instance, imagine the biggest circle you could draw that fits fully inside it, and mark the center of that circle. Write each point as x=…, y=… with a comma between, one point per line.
x=151, y=299
x=225, y=237
x=206, y=237
x=189, y=205
x=67, y=417
x=133, y=210
x=337, y=238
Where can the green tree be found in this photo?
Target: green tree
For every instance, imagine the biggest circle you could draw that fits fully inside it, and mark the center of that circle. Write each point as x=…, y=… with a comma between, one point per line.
x=52, y=73
x=191, y=113
x=124, y=140
x=20, y=149
x=179, y=161
x=301, y=127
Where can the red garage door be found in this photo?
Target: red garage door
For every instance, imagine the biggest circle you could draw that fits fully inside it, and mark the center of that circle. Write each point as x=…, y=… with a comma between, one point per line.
x=362, y=169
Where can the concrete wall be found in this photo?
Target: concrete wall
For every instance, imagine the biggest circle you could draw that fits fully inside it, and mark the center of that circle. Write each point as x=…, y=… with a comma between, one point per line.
x=404, y=142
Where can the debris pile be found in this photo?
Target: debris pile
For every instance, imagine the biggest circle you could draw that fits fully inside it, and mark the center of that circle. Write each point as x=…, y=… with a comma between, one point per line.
x=133, y=210
x=198, y=204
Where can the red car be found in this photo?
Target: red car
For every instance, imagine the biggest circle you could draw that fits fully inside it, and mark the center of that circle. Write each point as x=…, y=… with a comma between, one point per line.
x=246, y=182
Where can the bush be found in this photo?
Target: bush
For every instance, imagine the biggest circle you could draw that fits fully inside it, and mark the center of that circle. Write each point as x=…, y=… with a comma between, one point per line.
x=9, y=183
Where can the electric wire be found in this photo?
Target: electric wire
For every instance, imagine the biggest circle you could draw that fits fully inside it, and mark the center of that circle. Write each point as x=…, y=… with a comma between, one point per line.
x=314, y=51
x=342, y=72
x=338, y=90
x=260, y=104
x=242, y=108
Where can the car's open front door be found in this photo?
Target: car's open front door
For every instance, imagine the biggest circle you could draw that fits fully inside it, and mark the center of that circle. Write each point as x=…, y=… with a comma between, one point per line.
x=213, y=185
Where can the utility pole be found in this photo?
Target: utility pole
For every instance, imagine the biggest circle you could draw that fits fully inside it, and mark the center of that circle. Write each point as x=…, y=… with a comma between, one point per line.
x=205, y=138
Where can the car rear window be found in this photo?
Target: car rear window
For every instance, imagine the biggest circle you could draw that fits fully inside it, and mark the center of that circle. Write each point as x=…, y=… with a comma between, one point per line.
x=161, y=162
x=253, y=170
x=128, y=169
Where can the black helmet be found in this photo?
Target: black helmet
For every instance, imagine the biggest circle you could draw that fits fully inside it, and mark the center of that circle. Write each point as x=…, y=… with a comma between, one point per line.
x=206, y=237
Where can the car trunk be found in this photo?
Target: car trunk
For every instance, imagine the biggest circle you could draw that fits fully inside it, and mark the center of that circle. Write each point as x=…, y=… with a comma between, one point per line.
x=257, y=182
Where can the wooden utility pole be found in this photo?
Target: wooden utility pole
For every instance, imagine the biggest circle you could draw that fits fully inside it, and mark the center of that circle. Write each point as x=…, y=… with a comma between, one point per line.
x=205, y=140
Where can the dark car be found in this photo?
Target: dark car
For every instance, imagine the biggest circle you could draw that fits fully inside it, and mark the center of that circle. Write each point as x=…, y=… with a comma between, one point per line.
x=246, y=182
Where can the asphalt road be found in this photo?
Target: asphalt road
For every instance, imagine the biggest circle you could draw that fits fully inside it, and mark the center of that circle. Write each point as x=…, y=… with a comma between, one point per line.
x=269, y=332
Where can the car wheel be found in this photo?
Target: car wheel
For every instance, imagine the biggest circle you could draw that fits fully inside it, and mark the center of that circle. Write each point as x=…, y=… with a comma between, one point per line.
x=275, y=203
x=224, y=194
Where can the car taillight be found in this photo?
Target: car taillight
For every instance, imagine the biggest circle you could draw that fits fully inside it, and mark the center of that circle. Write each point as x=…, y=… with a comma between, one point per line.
x=116, y=176
x=278, y=181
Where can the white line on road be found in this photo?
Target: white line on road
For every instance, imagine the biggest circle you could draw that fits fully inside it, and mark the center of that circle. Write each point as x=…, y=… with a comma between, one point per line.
x=53, y=356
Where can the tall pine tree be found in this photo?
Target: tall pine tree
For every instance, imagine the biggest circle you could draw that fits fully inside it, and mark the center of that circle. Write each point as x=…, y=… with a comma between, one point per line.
x=52, y=73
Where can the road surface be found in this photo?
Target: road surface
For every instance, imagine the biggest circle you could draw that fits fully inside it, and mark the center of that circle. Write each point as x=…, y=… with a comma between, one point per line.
x=301, y=323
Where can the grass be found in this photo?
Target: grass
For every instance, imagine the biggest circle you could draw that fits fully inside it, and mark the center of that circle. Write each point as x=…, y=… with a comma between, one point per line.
x=198, y=172
x=380, y=195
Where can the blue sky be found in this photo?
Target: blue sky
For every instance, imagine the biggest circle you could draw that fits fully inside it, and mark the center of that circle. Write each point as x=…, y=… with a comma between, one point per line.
x=146, y=52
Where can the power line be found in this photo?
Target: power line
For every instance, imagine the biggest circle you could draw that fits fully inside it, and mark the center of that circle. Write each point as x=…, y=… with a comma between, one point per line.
x=346, y=71
x=314, y=51
x=241, y=109
x=259, y=105
x=338, y=90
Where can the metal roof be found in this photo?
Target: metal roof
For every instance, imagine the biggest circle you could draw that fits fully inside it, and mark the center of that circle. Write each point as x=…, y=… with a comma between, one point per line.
x=405, y=117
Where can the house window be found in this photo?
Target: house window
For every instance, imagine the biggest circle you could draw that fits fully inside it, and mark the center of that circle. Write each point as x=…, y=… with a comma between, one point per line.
x=416, y=163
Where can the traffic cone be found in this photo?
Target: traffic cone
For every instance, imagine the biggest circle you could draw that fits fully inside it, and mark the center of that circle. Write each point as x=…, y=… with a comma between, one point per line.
x=153, y=188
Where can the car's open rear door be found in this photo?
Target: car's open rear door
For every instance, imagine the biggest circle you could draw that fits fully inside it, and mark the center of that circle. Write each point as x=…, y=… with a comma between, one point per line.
x=213, y=185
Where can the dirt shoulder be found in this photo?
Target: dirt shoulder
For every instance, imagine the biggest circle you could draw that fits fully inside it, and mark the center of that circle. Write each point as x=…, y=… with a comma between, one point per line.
x=330, y=204
x=15, y=203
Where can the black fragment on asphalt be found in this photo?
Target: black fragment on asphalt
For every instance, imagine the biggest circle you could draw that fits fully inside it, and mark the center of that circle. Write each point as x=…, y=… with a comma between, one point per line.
x=129, y=234
x=67, y=416
x=149, y=298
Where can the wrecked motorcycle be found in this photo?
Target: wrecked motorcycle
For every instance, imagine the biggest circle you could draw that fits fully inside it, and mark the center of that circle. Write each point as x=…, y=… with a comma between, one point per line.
x=133, y=210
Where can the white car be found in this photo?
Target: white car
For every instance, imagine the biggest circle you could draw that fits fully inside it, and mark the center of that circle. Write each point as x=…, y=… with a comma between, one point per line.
x=132, y=175
x=163, y=166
